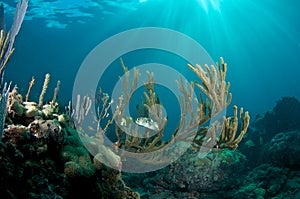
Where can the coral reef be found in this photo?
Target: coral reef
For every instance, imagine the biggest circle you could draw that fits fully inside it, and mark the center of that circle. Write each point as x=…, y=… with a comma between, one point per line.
x=283, y=150
x=28, y=124
x=275, y=133
x=41, y=155
x=38, y=132
x=284, y=117
x=45, y=154
x=46, y=157
x=264, y=181
x=76, y=159
x=219, y=170
x=225, y=173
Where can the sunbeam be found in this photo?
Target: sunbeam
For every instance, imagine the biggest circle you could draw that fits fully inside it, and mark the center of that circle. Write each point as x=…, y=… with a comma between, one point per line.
x=210, y=4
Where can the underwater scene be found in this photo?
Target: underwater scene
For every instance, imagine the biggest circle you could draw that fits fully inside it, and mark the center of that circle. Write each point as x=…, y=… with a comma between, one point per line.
x=149, y=99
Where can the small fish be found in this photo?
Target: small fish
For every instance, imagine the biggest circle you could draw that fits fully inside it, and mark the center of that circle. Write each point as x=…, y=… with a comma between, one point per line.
x=147, y=123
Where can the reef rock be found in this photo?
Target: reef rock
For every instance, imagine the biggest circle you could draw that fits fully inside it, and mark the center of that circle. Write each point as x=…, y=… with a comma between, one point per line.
x=284, y=117
x=265, y=181
x=283, y=150
x=47, y=130
x=219, y=170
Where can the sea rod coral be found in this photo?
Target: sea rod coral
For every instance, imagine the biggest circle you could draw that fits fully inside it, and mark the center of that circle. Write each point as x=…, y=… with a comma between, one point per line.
x=7, y=41
x=213, y=98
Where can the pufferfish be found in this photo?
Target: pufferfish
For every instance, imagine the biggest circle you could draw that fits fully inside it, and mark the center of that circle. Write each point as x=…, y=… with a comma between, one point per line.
x=147, y=123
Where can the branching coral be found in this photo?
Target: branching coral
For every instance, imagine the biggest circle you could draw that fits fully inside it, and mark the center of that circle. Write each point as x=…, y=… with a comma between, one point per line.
x=200, y=124
x=55, y=94
x=82, y=107
x=216, y=88
x=45, y=86
x=214, y=84
x=192, y=127
x=31, y=83
x=7, y=41
x=229, y=136
x=150, y=108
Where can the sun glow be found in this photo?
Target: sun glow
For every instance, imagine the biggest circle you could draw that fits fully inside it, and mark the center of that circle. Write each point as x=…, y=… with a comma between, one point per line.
x=210, y=4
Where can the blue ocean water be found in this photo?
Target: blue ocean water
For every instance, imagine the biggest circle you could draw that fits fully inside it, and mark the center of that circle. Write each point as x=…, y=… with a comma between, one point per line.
x=259, y=40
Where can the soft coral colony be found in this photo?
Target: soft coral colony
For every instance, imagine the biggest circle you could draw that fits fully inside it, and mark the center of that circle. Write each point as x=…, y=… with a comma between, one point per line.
x=192, y=127
x=38, y=130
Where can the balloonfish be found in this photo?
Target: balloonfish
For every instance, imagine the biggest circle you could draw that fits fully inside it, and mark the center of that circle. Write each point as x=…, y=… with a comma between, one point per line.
x=147, y=123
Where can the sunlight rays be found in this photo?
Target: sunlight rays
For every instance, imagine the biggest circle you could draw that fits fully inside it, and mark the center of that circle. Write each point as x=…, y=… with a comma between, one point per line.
x=208, y=4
